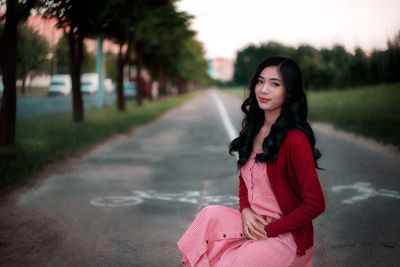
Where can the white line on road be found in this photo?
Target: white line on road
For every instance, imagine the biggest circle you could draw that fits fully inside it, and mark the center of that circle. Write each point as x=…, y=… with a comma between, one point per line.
x=232, y=134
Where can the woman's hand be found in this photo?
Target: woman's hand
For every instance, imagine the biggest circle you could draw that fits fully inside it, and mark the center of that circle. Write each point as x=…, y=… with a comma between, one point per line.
x=253, y=225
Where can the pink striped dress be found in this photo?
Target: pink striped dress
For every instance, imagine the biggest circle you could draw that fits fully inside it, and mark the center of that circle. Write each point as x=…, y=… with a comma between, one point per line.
x=215, y=238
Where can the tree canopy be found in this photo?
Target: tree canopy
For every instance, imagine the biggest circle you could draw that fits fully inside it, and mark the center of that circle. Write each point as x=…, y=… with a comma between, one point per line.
x=326, y=68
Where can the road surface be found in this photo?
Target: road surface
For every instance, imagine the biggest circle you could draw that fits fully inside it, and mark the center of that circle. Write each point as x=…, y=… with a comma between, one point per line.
x=128, y=201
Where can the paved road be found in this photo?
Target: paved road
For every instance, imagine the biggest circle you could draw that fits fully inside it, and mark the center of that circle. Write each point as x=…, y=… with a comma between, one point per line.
x=127, y=202
x=37, y=106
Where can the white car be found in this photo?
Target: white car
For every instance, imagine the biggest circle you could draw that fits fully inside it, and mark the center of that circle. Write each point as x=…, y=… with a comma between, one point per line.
x=90, y=84
x=108, y=86
x=60, y=84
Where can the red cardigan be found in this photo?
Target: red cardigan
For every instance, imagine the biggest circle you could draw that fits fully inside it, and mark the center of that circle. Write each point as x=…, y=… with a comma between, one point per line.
x=296, y=186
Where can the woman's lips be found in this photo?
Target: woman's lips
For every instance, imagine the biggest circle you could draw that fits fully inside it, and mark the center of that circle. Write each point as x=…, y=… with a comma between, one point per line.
x=264, y=100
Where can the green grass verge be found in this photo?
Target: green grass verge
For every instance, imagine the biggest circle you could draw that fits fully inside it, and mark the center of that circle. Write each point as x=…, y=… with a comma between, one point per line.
x=46, y=139
x=32, y=91
x=371, y=111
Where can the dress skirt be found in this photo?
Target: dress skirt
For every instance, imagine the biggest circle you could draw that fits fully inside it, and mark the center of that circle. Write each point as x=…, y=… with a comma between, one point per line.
x=216, y=238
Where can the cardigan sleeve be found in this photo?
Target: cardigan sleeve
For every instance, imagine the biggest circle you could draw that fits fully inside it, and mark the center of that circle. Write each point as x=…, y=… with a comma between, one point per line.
x=312, y=201
x=243, y=194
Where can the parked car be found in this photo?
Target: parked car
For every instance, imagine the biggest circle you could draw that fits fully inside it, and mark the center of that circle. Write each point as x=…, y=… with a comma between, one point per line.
x=90, y=84
x=130, y=90
x=60, y=84
x=108, y=86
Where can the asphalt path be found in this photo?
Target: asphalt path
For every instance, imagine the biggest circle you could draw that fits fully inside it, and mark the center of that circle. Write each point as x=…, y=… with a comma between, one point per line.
x=29, y=107
x=128, y=201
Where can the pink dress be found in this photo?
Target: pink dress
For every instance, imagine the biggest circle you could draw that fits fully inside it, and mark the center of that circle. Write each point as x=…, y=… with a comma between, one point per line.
x=215, y=238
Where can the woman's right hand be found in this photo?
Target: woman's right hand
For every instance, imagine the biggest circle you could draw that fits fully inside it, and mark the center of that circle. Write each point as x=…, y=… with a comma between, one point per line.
x=253, y=225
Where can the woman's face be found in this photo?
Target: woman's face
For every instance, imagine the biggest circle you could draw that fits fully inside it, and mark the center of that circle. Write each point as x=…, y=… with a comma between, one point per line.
x=270, y=91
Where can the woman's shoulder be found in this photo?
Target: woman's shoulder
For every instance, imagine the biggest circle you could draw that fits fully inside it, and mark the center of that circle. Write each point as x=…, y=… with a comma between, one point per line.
x=295, y=136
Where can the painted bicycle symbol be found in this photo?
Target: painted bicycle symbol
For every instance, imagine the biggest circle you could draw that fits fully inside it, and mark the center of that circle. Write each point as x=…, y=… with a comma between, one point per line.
x=138, y=197
x=365, y=191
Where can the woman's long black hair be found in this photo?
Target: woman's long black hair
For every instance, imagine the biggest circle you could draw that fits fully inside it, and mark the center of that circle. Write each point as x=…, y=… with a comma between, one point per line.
x=293, y=115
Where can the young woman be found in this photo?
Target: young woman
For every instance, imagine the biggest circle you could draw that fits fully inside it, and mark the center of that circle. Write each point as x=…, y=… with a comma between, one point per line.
x=279, y=189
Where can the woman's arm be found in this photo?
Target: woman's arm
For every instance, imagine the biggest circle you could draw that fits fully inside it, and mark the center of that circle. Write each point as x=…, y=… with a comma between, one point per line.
x=243, y=194
x=312, y=198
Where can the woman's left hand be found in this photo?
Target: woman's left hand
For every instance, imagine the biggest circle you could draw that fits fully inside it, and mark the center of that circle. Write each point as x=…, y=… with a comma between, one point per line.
x=253, y=225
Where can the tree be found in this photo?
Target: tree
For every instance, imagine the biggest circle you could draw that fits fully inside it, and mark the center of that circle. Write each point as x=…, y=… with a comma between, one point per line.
x=119, y=26
x=245, y=64
x=393, y=51
x=63, y=61
x=77, y=19
x=164, y=42
x=171, y=53
x=311, y=65
x=251, y=56
x=15, y=13
x=32, y=51
x=359, y=68
x=110, y=62
x=341, y=60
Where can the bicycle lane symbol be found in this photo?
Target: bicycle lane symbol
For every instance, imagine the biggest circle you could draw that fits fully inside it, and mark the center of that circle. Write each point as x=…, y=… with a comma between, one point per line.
x=139, y=197
x=365, y=191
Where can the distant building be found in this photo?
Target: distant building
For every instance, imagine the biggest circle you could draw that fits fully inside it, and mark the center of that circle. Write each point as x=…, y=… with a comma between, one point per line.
x=220, y=69
x=47, y=28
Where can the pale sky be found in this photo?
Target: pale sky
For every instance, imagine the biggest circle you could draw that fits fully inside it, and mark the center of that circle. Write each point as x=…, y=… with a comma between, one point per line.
x=226, y=26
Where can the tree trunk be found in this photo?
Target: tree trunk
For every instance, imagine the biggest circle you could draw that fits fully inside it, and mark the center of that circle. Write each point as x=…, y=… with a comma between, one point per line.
x=120, y=80
x=23, y=85
x=76, y=56
x=162, y=81
x=139, y=63
x=166, y=81
x=151, y=97
x=180, y=83
x=9, y=101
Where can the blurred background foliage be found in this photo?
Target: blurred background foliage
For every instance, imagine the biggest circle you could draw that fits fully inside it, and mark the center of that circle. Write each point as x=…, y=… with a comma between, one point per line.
x=156, y=31
x=326, y=68
x=63, y=60
x=159, y=39
x=32, y=51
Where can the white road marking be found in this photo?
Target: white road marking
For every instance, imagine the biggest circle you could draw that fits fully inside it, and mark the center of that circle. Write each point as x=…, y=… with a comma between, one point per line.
x=194, y=197
x=203, y=193
x=116, y=201
x=232, y=133
x=138, y=197
x=365, y=191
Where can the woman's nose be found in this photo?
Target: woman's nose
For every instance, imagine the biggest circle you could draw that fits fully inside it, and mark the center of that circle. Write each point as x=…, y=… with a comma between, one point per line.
x=265, y=89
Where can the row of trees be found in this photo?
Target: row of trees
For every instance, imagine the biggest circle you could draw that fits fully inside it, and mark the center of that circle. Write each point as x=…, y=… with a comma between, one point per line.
x=151, y=34
x=32, y=52
x=33, y=57
x=326, y=68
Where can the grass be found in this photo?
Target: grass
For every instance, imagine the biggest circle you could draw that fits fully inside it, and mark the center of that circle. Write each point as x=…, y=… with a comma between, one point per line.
x=371, y=111
x=46, y=139
x=32, y=91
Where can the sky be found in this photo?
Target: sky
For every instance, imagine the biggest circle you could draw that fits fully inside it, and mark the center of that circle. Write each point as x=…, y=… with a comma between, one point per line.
x=226, y=26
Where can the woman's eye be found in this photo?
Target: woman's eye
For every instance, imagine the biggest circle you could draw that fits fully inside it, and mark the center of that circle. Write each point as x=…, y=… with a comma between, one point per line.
x=275, y=84
x=259, y=81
